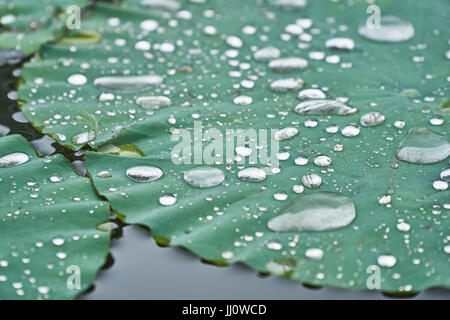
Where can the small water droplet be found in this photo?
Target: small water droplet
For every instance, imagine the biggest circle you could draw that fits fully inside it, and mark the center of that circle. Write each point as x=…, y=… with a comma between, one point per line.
x=286, y=65
x=287, y=84
x=387, y=261
x=372, y=119
x=252, y=175
x=311, y=180
x=154, y=102
x=127, y=84
x=77, y=79
x=13, y=159
x=314, y=254
x=167, y=199
x=285, y=133
x=307, y=94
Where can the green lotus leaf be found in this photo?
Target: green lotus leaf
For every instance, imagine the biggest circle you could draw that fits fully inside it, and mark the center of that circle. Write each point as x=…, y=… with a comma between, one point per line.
x=50, y=248
x=26, y=25
x=158, y=75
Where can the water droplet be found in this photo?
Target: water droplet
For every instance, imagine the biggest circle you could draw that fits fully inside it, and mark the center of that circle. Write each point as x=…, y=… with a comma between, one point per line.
x=43, y=289
x=83, y=137
x=285, y=133
x=290, y=4
x=301, y=160
x=13, y=159
x=252, y=175
x=167, y=199
x=285, y=85
x=387, y=261
x=77, y=79
x=227, y=255
x=148, y=25
x=392, y=29
x=423, y=146
x=274, y=246
x=322, y=161
x=350, y=130
x=332, y=128
x=324, y=107
x=204, y=177
x=311, y=180
x=61, y=255
x=298, y=188
x=144, y=173
x=243, y=151
x=103, y=174
x=266, y=54
x=345, y=44
x=318, y=211
x=234, y=41
x=243, y=100
x=403, y=226
x=55, y=178
x=436, y=120
x=440, y=185
x=445, y=175
x=280, y=196
x=286, y=65
x=127, y=84
x=314, y=254
x=169, y=5
x=372, y=119
x=154, y=102
x=58, y=241
x=307, y=94
x=384, y=199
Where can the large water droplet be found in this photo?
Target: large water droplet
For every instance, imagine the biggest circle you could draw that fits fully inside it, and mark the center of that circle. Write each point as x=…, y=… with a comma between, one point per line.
x=144, y=173
x=83, y=137
x=372, y=119
x=345, y=44
x=285, y=85
x=153, y=102
x=387, y=261
x=204, y=177
x=391, y=29
x=423, y=146
x=77, y=79
x=324, y=107
x=13, y=159
x=311, y=180
x=315, y=212
x=266, y=54
x=167, y=199
x=286, y=65
x=127, y=84
x=252, y=174
x=307, y=94
x=285, y=133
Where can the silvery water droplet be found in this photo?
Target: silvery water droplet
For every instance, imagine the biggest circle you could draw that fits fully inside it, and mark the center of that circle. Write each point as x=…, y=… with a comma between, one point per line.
x=145, y=173
x=423, y=146
x=307, y=94
x=436, y=120
x=274, y=246
x=169, y=5
x=266, y=54
x=332, y=128
x=83, y=137
x=318, y=211
x=43, y=289
x=285, y=133
x=13, y=159
x=445, y=175
x=387, y=261
x=314, y=254
x=58, y=241
x=286, y=65
x=148, y=25
x=350, y=130
x=440, y=185
x=322, y=161
x=285, y=85
x=154, y=102
x=403, y=226
x=345, y=44
x=301, y=160
x=311, y=180
x=324, y=107
x=77, y=79
x=167, y=199
x=204, y=177
x=298, y=188
x=338, y=147
x=243, y=100
x=234, y=41
x=399, y=124
x=252, y=175
x=227, y=255
x=280, y=196
x=311, y=123
x=290, y=4
x=384, y=199
x=103, y=174
x=127, y=84
x=55, y=178
x=243, y=151
x=372, y=119
x=392, y=29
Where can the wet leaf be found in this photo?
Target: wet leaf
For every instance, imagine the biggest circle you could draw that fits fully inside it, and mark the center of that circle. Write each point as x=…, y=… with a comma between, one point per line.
x=215, y=62
x=50, y=248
